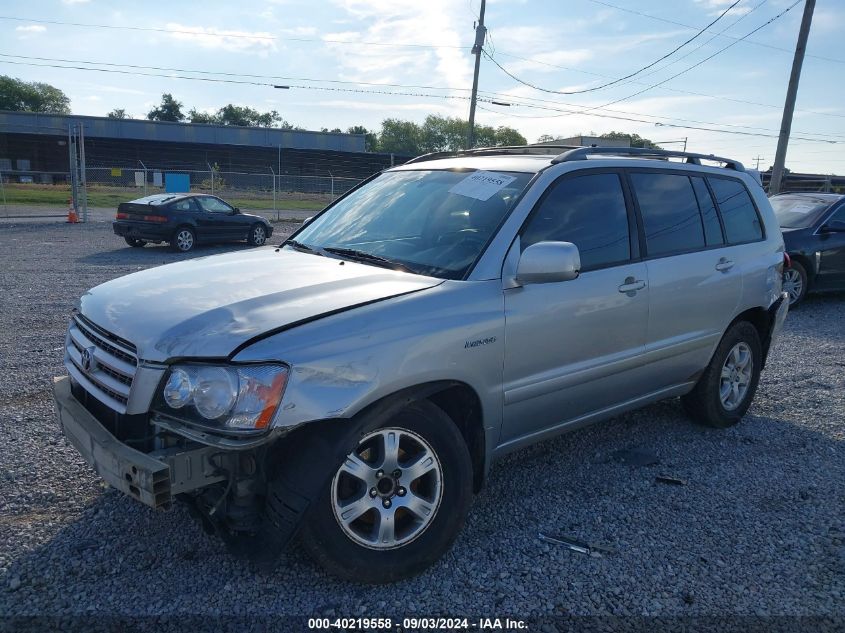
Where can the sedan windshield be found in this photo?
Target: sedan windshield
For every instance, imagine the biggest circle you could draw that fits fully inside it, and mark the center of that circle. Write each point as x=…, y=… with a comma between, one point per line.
x=798, y=212
x=427, y=222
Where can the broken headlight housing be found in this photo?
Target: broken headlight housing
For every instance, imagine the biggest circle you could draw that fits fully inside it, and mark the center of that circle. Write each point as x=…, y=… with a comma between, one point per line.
x=223, y=398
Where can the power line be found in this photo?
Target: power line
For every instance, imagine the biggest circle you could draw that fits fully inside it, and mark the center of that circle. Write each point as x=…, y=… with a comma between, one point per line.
x=687, y=92
x=492, y=95
x=398, y=93
x=226, y=74
x=218, y=33
x=697, y=64
x=689, y=26
x=620, y=79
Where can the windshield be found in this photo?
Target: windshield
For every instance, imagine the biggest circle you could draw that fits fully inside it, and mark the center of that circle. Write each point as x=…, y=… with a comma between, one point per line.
x=427, y=222
x=794, y=212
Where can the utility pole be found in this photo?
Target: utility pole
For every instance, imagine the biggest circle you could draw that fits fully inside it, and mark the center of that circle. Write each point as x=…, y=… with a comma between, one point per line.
x=791, y=94
x=480, y=35
x=758, y=159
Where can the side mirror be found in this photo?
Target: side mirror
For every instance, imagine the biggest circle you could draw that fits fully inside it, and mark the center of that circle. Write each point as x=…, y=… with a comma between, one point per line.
x=546, y=262
x=834, y=226
x=236, y=210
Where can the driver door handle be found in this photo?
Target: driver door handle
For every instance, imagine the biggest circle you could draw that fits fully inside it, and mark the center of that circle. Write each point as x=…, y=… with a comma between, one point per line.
x=632, y=285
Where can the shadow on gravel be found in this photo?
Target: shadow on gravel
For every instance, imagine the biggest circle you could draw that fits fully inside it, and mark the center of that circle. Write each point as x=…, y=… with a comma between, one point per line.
x=751, y=531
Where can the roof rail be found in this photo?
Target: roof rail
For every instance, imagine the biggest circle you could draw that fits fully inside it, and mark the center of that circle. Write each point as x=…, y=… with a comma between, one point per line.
x=493, y=151
x=581, y=153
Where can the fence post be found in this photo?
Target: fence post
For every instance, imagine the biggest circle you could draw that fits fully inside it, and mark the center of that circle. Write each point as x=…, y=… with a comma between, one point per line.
x=273, y=176
x=83, y=170
x=145, y=176
x=3, y=191
x=212, y=177
x=331, y=175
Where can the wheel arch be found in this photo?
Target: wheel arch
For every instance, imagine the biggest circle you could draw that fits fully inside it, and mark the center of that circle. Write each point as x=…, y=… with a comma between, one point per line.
x=805, y=261
x=459, y=401
x=762, y=319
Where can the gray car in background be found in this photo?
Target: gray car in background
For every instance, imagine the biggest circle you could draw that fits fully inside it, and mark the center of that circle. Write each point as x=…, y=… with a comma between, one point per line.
x=355, y=384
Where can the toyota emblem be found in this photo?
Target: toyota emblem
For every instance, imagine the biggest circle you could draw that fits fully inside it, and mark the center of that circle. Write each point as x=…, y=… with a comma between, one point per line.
x=88, y=362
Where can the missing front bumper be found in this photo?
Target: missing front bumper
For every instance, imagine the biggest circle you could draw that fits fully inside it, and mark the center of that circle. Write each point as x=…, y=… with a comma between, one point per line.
x=151, y=478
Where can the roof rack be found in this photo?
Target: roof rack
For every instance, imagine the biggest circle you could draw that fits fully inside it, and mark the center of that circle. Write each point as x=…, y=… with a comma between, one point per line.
x=505, y=149
x=581, y=153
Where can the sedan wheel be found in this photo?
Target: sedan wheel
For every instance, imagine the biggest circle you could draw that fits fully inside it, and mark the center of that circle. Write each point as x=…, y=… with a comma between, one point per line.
x=795, y=283
x=184, y=240
x=257, y=235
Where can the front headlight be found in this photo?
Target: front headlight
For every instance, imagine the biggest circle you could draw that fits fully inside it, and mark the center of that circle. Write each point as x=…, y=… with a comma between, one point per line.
x=224, y=397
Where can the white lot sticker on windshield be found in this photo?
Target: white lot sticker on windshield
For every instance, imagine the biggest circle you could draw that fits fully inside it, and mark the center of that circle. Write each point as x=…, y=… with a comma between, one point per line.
x=803, y=208
x=482, y=184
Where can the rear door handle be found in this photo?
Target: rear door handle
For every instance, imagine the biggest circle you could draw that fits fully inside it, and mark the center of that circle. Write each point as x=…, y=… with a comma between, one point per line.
x=724, y=265
x=632, y=285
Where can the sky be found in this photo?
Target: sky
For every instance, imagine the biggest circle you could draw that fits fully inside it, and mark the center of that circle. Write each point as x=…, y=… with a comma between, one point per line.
x=337, y=56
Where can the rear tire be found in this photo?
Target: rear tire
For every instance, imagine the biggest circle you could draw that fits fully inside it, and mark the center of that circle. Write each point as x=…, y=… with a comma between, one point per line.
x=135, y=243
x=795, y=283
x=725, y=390
x=184, y=239
x=409, y=520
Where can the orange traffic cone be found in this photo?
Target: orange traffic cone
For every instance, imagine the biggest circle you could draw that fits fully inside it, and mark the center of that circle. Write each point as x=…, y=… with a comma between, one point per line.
x=72, y=218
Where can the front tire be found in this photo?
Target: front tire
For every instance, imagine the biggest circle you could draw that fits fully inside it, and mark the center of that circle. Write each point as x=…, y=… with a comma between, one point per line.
x=726, y=388
x=134, y=242
x=183, y=240
x=398, y=501
x=257, y=235
x=795, y=283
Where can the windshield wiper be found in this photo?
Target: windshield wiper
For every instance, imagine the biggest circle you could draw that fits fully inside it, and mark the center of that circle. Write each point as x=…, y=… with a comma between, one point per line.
x=303, y=247
x=369, y=258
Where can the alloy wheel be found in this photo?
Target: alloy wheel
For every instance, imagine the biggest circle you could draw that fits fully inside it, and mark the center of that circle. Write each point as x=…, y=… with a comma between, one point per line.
x=184, y=240
x=736, y=375
x=793, y=284
x=259, y=235
x=388, y=490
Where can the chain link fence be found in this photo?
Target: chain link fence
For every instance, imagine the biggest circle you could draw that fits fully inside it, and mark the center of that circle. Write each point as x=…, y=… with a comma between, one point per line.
x=260, y=190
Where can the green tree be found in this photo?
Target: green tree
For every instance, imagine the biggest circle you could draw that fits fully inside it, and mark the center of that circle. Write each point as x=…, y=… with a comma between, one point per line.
x=238, y=115
x=118, y=113
x=370, y=138
x=400, y=137
x=635, y=139
x=546, y=138
x=248, y=117
x=169, y=110
x=32, y=96
x=197, y=116
x=509, y=136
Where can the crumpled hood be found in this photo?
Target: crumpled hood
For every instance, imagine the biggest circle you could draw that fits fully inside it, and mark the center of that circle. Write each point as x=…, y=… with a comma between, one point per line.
x=207, y=307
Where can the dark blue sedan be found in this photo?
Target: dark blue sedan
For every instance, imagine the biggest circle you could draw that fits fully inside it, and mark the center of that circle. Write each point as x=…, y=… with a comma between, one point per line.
x=184, y=220
x=813, y=226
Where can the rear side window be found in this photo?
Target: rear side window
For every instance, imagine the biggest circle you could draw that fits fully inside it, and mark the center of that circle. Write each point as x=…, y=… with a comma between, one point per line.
x=185, y=204
x=709, y=217
x=669, y=209
x=742, y=224
x=588, y=211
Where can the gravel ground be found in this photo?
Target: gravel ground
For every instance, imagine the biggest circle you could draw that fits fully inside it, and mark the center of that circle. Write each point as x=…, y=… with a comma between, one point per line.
x=757, y=529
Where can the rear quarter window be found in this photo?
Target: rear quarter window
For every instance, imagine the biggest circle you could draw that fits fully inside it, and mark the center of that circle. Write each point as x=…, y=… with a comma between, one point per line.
x=739, y=215
x=669, y=209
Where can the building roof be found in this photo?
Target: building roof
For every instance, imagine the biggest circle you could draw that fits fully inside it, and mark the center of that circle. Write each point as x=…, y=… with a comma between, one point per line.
x=139, y=129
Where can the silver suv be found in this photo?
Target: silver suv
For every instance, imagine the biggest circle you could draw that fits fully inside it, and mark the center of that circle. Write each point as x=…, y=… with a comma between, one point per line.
x=355, y=384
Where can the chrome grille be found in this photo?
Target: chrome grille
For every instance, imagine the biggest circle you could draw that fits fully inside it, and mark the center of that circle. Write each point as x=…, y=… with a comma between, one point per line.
x=112, y=364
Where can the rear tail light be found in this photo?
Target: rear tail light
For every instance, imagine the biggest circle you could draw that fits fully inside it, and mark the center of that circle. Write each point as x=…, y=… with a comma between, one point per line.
x=155, y=218
x=121, y=216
